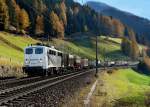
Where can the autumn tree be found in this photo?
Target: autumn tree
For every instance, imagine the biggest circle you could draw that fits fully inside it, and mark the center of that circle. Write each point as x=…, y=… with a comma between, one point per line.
x=39, y=6
x=66, y=17
x=106, y=25
x=118, y=28
x=56, y=25
x=24, y=20
x=131, y=34
x=135, y=49
x=4, y=16
x=135, y=52
x=130, y=48
x=62, y=13
x=39, y=25
x=14, y=11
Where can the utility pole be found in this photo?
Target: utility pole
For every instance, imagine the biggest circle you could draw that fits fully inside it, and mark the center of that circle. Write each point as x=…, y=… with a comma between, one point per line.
x=48, y=40
x=96, y=57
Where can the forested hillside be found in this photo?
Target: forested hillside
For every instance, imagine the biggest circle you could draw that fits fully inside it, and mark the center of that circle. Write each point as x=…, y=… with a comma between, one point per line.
x=140, y=25
x=57, y=18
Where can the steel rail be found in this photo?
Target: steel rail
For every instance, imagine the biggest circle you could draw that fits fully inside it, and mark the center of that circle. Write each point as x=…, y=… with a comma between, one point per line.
x=43, y=84
x=10, y=81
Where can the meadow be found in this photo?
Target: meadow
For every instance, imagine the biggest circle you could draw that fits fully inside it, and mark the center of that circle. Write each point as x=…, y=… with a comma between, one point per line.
x=122, y=87
x=12, y=47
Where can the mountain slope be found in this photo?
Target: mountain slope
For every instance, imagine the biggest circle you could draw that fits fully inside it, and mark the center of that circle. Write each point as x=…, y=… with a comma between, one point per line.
x=55, y=18
x=83, y=46
x=140, y=25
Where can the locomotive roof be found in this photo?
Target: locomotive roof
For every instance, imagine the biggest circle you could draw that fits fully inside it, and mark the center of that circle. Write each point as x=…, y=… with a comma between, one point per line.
x=51, y=48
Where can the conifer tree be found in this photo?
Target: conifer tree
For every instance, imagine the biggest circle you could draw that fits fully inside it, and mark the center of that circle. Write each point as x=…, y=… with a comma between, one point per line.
x=118, y=28
x=14, y=11
x=126, y=46
x=39, y=25
x=107, y=25
x=63, y=16
x=4, y=16
x=130, y=48
x=24, y=20
x=134, y=50
x=56, y=25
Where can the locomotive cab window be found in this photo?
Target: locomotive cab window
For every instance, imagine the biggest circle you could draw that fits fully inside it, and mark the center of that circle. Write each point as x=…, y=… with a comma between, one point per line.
x=52, y=52
x=59, y=54
x=38, y=50
x=29, y=51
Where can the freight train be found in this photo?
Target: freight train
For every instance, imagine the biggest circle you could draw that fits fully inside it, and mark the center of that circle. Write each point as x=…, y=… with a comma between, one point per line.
x=45, y=60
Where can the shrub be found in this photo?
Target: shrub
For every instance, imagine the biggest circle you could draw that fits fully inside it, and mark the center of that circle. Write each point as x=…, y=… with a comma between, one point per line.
x=144, y=66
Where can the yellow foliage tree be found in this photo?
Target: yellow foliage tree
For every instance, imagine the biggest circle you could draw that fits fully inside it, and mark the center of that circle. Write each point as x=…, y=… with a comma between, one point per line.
x=118, y=28
x=56, y=25
x=63, y=13
x=15, y=11
x=135, y=52
x=4, y=16
x=39, y=25
x=24, y=20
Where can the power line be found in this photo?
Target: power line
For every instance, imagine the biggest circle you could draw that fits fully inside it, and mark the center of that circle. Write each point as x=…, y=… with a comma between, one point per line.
x=96, y=56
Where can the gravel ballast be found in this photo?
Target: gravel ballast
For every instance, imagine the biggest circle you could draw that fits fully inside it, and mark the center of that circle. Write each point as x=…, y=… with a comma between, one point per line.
x=54, y=96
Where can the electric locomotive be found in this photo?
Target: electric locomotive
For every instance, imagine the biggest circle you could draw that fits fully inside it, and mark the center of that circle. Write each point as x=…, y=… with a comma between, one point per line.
x=40, y=59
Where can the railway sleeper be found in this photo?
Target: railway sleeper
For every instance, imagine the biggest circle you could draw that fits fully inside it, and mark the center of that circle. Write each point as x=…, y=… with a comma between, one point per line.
x=24, y=97
x=14, y=99
x=5, y=104
x=19, y=99
x=15, y=102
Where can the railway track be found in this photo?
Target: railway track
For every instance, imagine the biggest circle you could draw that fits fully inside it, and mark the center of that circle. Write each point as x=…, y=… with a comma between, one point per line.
x=15, y=82
x=4, y=80
x=27, y=86
x=14, y=93
x=10, y=83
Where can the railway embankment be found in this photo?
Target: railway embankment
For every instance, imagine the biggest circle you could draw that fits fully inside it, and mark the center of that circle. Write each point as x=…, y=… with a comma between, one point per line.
x=8, y=71
x=55, y=95
x=115, y=88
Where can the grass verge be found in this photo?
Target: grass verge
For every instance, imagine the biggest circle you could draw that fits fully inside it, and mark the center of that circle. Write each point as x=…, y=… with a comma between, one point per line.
x=123, y=87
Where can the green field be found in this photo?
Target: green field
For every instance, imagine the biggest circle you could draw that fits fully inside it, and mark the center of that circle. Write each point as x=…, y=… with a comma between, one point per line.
x=108, y=49
x=125, y=85
x=11, y=47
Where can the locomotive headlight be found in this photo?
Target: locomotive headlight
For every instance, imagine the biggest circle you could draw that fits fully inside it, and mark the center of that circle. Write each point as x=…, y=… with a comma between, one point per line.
x=27, y=61
x=40, y=60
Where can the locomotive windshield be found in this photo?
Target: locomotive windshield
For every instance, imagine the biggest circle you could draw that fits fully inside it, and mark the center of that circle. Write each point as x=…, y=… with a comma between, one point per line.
x=38, y=50
x=29, y=51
